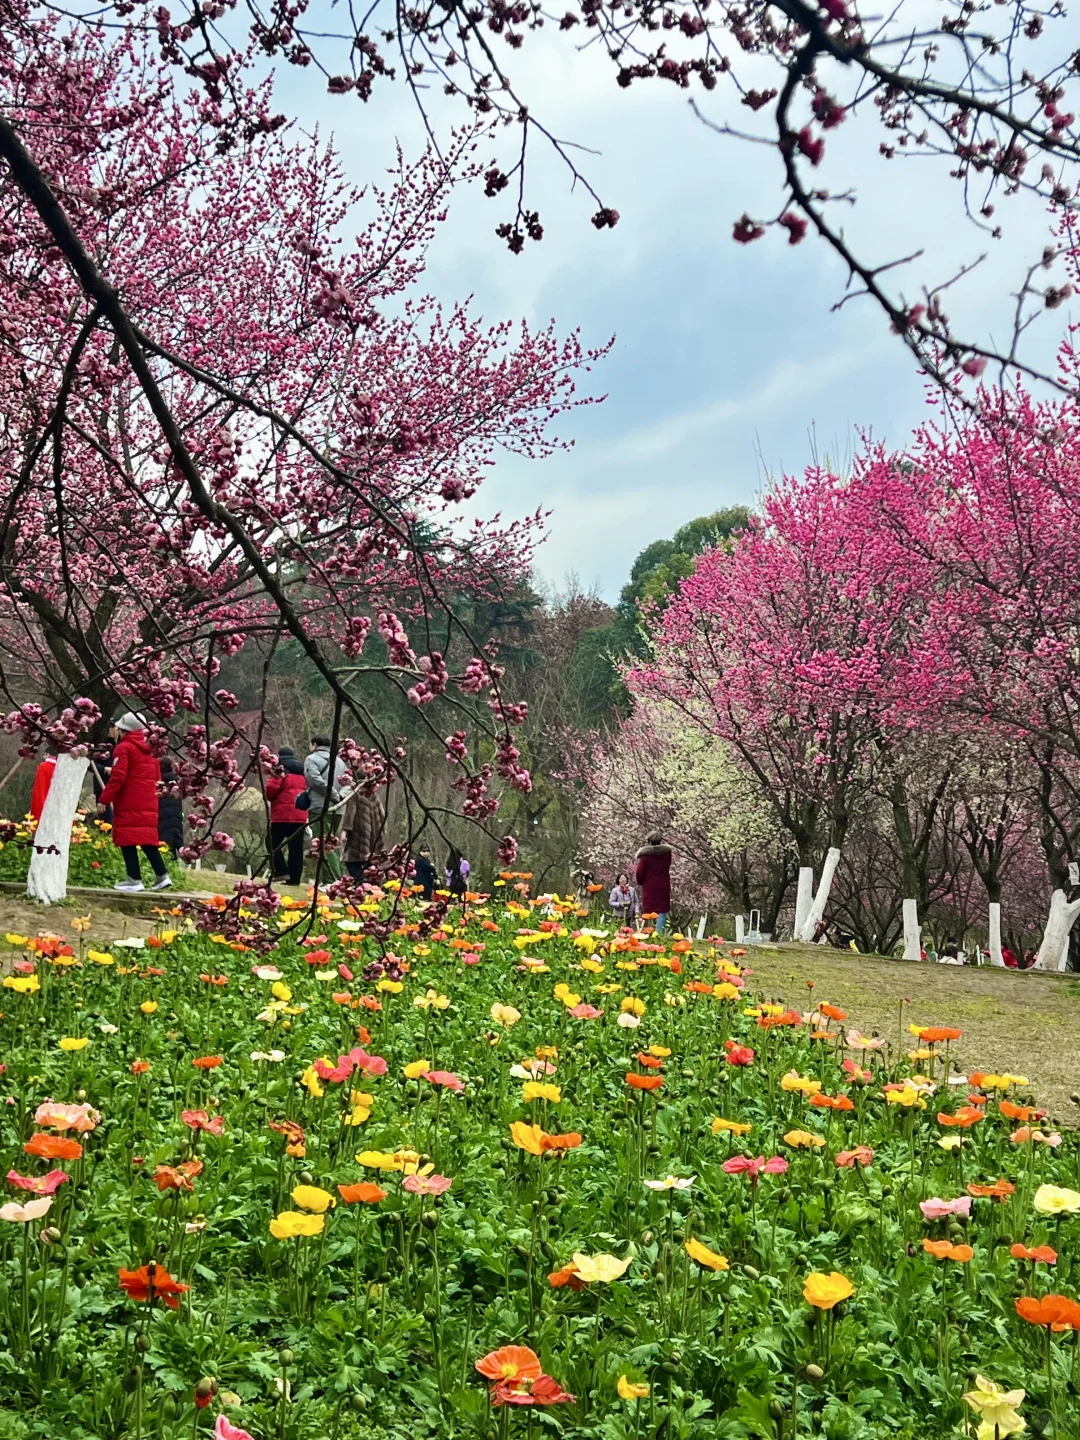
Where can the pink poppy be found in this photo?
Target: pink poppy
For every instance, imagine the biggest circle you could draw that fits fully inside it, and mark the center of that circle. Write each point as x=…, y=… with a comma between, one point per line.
x=937, y=1209
x=367, y=1064
x=199, y=1120
x=335, y=1074
x=226, y=1430
x=470, y=959
x=427, y=1184
x=742, y=1164
x=447, y=1079
x=861, y=1155
x=738, y=1054
x=344, y=971
x=856, y=1040
x=52, y=1116
x=585, y=1011
x=23, y=967
x=39, y=1185
x=855, y=1072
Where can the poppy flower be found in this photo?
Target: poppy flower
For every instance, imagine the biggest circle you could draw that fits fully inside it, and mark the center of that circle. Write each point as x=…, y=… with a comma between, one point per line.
x=698, y=987
x=1054, y=1200
x=81, y=1118
x=794, y=1081
x=168, y=1177
x=832, y=1102
x=1056, y=1311
x=510, y=1362
x=318, y=957
x=1023, y=1113
x=732, y=1127
x=585, y=1011
x=311, y=1197
x=152, y=1282
x=16, y=1214
x=140, y=1067
x=199, y=1120
x=996, y=1409
x=362, y=1193
x=644, y=1082
x=824, y=1291
x=936, y=1209
x=568, y=1275
x=631, y=1389
x=861, y=1155
x=833, y=1012
x=293, y=1132
x=743, y=1164
x=1042, y=1253
x=541, y=1391
x=702, y=1255
x=225, y=1430
x=935, y=1034
x=447, y=1079
x=53, y=1147
x=803, y=1139
x=291, y=1223
x=427, y=1184
x=964, y=1118
x=38, y=1185
x=207, y=1062
x=540, y=1090
x=651, y=1062
x=738, y=1054
x=600, y=1269
x=946, y=1250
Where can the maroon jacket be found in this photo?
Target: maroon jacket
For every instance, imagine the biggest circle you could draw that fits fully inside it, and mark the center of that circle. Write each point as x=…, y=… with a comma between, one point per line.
x=281, y=791
x=132, y=791
x=653, y=874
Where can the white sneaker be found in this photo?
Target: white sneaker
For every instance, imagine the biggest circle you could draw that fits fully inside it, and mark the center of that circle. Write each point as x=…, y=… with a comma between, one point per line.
x=129, y=885
x=162, y=883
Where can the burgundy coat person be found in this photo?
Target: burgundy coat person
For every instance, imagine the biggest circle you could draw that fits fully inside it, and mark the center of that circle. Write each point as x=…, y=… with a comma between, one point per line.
x=281, y=791
x=132, y=791
x=653, y=874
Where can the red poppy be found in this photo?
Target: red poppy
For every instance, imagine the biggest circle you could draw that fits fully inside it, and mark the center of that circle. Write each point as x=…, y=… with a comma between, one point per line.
x=644, y=1082
x=568, y=1275
x=1041, y=1253
x=541, y=1391
x=166, y=1177
x=510, y=1362
x=207, y=1062
x=738, y=1054
x=152, y=1282
x=53, y=1147
x=199, y=1120
x=447, y=1079
x=318, y=957
x=649, y=1061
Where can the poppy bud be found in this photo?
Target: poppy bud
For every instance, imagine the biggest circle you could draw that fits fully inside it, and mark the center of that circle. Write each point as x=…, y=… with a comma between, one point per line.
x=205, y=1391
x=359, y=1400
x=776, y=1410
x=751, y=1273
x=814, y=1372
x=130, y=1381
x=783, y=1196
x=647, y=1238
x=168, y=1407
x=81, y=1094
x=430, y=1218
x=142, y=1343
x=287, y=1358
x=430, y=1314
x=306, y=1178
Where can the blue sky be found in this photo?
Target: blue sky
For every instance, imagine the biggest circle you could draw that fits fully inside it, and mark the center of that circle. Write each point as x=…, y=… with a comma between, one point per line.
x=729, y=364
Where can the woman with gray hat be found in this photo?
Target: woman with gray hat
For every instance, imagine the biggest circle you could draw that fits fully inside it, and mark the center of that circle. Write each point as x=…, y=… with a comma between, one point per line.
x=132, y=792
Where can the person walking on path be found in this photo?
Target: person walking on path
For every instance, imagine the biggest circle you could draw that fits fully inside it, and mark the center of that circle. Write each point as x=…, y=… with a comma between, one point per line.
x=287, y=822
x=361, y=829
x=132, y=792
x=43, y=776
x=653, y=873
x=457, y=872
x=170, y=814
x=424, y=873
x=621, y=900
x=324, y=793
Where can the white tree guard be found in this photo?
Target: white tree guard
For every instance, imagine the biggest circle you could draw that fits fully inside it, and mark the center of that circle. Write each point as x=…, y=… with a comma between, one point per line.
x=1054, y=949
x=995, y=934
x=912, y=931
x=821, y=899
x=47, y=880
x=740, y=929
x=804, y=898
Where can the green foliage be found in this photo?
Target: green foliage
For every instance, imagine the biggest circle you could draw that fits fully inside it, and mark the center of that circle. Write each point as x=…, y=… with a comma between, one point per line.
x=93, y=859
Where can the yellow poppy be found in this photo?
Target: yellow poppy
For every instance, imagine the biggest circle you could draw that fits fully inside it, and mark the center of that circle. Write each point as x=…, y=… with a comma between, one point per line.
x=633, y=1006
x=22, y=984
x=415, y=1069
x=710, y=1259
x=310, y=1197
x=72, y=1042
x=631, y=1389
x=539, y=1090
x=291, y=1223
x=803, y=1139
x=148, y=1007
x=824, y=1291
x=731, y=1127
x=600, y=1269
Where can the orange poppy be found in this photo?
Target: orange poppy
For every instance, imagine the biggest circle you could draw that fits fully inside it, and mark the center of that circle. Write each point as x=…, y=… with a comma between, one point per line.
x=207, y=1062
x=363, y=1192
x=1041, y=1253
x=370, y=1003
x=1057, y=1311
x=53, y=1147
x=510, y=1362
x=976, y=1099
x=698, y=987
x=933, y=1034
x=1023, y=1113
x=568, y=1275
x=999, y=1190
x=594, y=889
x=140, y=1067
x=649, y=1061
x=167, y=1177
x=152, y=1282
x=832, y=1012
x=772, y=1022
x=293, y=1132
x=946, y=1250
x=644, y=1082
x=964, y=1118
x=832, y=1102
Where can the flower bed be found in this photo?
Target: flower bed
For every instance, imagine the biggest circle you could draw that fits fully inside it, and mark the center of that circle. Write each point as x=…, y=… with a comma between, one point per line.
x=509, y=1176
x=93, y=858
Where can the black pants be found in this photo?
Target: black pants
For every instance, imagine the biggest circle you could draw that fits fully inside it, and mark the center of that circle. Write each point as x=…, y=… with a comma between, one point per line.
x=356, y=868
x=131, y=860
x=288, y=833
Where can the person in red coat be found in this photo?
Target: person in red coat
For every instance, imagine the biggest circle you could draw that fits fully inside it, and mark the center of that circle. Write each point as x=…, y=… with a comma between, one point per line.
x=653, y=874
x=132, y=792
x=42, y=780
x=287, y=823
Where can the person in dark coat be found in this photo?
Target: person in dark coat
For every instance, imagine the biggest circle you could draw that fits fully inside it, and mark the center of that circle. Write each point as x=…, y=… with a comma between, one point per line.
x=100, y=769
x=132, y=791
x=653, y=874
x=360, y=829
x=287, y=823
x=457, y=872
x=424, y=873
x=170, y=812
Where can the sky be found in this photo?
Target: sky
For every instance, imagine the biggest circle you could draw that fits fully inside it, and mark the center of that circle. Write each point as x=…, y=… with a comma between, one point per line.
x=730, y=364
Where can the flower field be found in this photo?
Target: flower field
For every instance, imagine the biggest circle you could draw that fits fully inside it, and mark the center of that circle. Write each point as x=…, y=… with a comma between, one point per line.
x=93, y=860
x=502, y=1171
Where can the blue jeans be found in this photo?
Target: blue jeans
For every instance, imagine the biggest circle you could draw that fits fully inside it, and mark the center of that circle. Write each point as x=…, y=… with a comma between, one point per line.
x=660, y=923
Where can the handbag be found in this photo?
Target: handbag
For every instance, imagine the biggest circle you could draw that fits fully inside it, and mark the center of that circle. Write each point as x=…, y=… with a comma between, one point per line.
x=303, y=800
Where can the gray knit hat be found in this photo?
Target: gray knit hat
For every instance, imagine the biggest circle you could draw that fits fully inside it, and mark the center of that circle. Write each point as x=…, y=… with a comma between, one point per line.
x=130, y=721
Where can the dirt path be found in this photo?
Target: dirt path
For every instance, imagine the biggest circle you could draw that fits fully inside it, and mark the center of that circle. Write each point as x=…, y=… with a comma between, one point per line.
x=1021, y=1021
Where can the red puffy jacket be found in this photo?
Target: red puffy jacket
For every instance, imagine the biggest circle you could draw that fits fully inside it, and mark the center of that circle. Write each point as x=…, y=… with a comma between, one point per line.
x=653, y=874
x=132, y=791
x=281, y=791
x=43, y=778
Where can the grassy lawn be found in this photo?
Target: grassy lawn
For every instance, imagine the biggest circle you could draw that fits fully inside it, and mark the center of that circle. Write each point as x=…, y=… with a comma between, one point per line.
x=1022, y=1021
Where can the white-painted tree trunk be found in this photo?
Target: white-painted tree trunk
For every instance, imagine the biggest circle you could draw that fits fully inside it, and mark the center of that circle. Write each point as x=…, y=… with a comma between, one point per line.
x=740, y=929
x=804, y=898
x=821, y=899
x=47, y=880
x=912, y=931
x=1055, y=942
x=995, y=934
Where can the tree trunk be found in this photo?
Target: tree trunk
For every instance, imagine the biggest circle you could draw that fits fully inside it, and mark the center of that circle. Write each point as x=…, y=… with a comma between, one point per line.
x=47, y=880
x=912, y=931
x=995, y=934
x=1055, y=941
x=821, y=899
x=804, y=898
